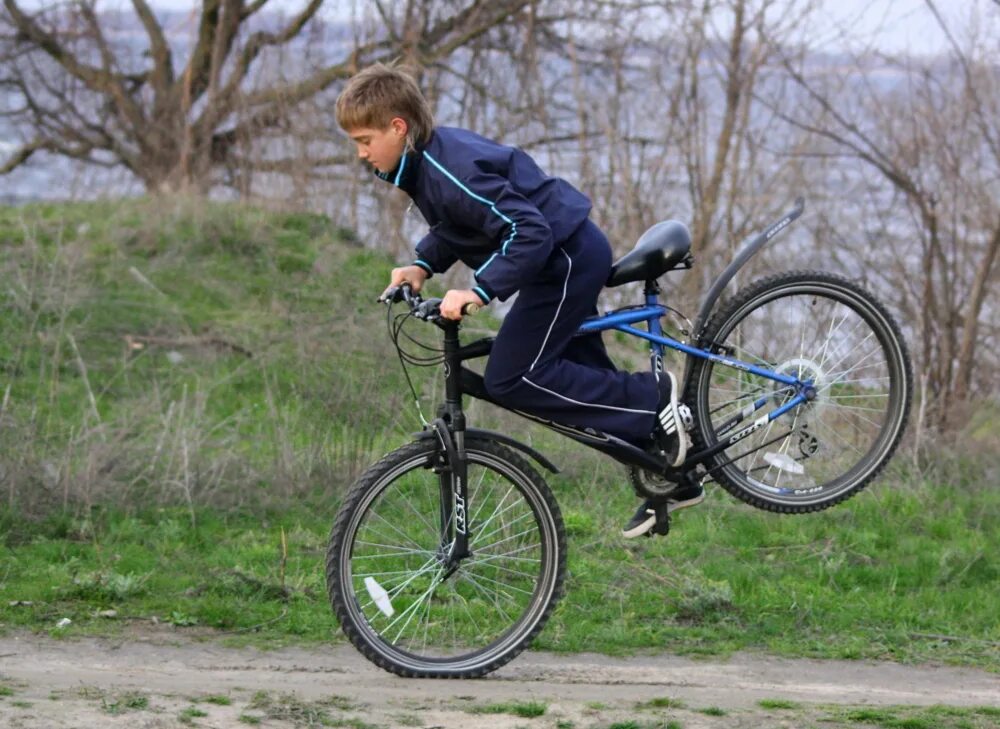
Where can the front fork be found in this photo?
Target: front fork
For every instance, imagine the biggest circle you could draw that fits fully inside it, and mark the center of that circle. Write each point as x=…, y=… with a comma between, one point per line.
x=451, y=464
x=452, y=469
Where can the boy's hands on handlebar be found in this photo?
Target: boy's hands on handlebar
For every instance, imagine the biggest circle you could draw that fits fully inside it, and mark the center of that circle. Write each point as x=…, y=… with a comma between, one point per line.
x=454, y=303
x=413, y=275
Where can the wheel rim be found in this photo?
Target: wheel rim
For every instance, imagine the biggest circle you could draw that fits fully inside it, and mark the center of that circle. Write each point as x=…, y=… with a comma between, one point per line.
x=477, y=613
x=833, y=337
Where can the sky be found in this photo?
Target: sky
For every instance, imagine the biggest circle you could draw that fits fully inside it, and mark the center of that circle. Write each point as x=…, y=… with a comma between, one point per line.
x=894, y=25
x=897, y=25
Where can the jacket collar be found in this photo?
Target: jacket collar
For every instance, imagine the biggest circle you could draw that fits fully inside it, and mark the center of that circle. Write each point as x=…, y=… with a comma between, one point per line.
x=404, y=175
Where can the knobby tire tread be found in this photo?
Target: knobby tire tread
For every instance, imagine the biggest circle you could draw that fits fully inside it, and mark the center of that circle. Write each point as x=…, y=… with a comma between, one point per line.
x=722, y=315
x=361, y=487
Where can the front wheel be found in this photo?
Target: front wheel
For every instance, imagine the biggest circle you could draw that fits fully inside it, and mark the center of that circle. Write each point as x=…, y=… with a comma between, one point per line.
x=398, y=600
x=810, y=326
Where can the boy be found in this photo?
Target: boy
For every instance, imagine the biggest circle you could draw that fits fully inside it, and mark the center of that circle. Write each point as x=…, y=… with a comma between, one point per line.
x=491, y=207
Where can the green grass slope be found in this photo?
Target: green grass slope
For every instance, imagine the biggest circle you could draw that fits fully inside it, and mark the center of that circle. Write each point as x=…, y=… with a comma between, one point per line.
x=188, y=389
x=165, y=352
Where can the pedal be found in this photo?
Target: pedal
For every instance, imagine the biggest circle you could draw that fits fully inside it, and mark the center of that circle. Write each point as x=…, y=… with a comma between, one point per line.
x=662, y=524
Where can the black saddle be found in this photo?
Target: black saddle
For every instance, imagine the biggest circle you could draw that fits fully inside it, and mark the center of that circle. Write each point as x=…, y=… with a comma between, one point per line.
x=664, y=247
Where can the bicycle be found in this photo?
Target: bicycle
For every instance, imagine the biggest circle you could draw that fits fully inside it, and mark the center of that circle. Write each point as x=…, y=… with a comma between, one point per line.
x=448, y=555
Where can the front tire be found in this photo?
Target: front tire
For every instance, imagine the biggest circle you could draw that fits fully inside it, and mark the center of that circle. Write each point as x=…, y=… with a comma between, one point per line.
x=386, y=576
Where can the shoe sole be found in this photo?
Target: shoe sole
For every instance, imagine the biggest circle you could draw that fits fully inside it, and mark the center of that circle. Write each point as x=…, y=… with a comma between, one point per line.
x=672, y=506
x=640, y=529
x=671, y=423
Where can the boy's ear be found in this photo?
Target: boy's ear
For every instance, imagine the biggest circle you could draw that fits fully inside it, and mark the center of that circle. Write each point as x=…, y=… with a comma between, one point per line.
x=399, y=126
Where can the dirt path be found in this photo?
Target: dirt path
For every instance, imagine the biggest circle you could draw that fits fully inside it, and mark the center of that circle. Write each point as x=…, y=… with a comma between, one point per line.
x=161, y=679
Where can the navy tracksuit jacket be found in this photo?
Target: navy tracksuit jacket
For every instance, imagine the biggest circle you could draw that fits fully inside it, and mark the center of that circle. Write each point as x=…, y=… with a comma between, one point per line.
x=491, y=207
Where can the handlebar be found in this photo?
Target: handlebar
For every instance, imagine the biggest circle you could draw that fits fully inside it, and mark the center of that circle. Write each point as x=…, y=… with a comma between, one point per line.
x=426, y=309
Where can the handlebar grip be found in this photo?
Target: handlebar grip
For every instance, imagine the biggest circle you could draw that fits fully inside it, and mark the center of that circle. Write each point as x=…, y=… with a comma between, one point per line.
x=471, y=309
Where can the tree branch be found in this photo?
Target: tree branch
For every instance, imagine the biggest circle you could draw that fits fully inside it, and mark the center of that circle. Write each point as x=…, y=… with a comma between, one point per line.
x=114, y=87
x=163, y=69
x=93, y=77
x=221, y=105
x=22, y=155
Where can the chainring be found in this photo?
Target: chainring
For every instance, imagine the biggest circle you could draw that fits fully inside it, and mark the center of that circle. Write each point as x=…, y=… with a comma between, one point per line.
x=648, y=484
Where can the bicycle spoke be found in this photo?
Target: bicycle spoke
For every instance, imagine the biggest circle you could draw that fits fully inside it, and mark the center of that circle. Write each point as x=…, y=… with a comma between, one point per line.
x=428, y=566
x=845, y=356
x=491, y=597
x=509, y=554
x=395, y=529
x=393, y=548
x=507, y=539
x=496, y=510
x=484, y=578
x=420, y=516
x=482, y=537
x=412, y=609
x=473, y=562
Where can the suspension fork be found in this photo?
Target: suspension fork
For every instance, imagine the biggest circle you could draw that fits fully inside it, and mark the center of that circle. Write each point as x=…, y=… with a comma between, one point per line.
x=452, y=464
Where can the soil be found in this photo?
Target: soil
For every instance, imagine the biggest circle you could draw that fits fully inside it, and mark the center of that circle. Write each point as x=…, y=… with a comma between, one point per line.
x=161, y=677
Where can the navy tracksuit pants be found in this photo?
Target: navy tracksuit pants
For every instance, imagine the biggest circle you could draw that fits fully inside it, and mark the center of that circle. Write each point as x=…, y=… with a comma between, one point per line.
x=538, y=366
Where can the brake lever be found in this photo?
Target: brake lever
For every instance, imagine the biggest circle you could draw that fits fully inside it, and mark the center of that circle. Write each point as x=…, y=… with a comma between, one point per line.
x=395, y=294
x=387, y=296
x=428, y=310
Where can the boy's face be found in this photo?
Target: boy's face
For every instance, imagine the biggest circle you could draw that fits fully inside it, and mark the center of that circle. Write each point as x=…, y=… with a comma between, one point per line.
x=381, y=148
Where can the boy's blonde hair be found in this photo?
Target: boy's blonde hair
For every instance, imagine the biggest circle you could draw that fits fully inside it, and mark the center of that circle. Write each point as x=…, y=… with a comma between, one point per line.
x=375, y=96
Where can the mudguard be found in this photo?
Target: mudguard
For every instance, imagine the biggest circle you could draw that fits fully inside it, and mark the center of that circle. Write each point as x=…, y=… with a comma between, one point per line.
x=493, y=435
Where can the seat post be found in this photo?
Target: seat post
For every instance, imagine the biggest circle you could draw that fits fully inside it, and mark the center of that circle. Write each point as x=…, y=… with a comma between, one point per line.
x=652, y=292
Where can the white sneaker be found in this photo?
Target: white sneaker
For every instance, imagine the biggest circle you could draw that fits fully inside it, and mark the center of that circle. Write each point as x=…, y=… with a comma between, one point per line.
x=673, y=434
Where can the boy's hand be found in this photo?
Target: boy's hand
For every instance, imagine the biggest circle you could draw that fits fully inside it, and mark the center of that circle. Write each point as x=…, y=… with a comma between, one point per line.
x=454, y=300
x=413, y=275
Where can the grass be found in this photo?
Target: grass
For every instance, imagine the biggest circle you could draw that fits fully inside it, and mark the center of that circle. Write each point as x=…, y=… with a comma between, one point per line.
x=913, y=717
x=302, y=713
x=200, y=490
x=712, y=711
x=130, y=701
x=778, y=704
x=187, y=354
x=841, y=584
x=218, y=700
x=526, y=709
x=661, y=703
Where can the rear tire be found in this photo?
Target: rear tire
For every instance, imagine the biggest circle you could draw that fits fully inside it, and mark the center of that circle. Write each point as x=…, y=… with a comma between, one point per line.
x=809, y=325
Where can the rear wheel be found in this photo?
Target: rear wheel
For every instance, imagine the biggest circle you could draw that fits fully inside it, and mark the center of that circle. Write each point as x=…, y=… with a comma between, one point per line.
x=387, y=574
x=812, y=326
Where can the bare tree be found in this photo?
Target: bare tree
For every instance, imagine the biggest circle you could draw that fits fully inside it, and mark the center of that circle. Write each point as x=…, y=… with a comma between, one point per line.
x=176, y=116
x=929, y=129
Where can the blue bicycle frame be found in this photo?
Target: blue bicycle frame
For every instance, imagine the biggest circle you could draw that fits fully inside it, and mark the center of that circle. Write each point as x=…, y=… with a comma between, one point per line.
x=622, y=321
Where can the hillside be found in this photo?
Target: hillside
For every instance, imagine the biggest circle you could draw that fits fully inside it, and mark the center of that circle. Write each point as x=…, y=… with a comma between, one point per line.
x=189, y=388
x=188, y=352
